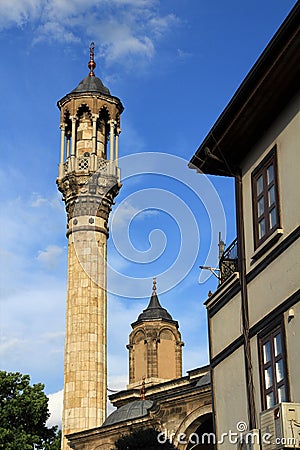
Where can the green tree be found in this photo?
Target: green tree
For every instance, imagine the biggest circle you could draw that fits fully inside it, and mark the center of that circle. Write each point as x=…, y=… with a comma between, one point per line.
x=146, y=439
x=23, y=415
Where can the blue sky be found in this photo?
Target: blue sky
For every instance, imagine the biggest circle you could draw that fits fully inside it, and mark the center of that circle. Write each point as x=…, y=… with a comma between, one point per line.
x=174, y=64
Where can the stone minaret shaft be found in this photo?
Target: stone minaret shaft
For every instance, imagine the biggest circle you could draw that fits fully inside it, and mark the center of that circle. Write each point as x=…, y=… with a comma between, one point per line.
x=89, y=181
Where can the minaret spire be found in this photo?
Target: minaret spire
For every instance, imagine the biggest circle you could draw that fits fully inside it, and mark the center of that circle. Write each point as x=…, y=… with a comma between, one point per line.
x=92, y=64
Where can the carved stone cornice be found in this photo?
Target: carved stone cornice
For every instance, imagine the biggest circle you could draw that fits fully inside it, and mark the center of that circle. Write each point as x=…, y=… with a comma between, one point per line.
x=88, y=195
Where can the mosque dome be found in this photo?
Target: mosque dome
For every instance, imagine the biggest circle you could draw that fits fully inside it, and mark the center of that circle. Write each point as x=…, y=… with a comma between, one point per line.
x=130, y=411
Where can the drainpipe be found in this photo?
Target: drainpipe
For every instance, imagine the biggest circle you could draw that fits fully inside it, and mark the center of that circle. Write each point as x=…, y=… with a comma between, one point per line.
x=244, y=299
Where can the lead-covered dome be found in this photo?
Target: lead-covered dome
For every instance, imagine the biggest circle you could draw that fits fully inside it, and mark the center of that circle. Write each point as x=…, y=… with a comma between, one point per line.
x=154, y=310
x=91, y=84
x=132, y=410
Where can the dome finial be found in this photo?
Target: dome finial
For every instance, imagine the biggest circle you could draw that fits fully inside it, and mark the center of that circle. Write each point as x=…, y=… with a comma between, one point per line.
x=92, y=64
x=154, y=286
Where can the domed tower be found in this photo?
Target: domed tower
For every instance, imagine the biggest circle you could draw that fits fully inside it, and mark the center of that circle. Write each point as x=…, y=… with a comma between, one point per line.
x=89, y=181
x=155, y=346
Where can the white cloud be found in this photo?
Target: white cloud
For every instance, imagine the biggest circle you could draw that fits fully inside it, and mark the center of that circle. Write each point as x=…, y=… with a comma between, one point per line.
x=9, y=344
x=37, y=200
x=55, y=406
x=53, y=336
x=137, y=3
x=125, y=212
x=50, y=257
x=160, y=25
x=125, y=29
x=19, y=12
x=122, y=43
x=183, y=54
x=55, y=31
x=33, y=285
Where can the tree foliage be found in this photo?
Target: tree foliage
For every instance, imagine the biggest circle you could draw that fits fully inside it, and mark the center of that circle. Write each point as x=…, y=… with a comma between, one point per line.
x=146, y=439
x=23, y=415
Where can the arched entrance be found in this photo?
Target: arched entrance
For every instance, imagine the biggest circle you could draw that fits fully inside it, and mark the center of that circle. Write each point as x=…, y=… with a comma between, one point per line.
x=203, y=437
x=196, y=428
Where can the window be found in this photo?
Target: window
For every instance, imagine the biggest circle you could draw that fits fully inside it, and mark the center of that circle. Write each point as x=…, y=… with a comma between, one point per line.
x=265, y=198
x=273, y=368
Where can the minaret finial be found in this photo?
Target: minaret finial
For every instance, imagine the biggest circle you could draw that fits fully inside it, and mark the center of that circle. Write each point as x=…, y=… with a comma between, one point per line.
x=92, y=64
x=154, y=286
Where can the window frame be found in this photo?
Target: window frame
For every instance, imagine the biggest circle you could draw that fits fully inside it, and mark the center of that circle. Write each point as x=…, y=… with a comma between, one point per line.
x=262, y=170
x=268, y=335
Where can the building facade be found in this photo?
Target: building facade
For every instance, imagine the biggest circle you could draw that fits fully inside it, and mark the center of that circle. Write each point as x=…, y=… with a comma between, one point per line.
x=254, y=315
x=180, y=408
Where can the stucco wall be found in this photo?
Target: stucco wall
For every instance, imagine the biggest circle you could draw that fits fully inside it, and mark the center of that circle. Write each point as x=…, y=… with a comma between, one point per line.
x=285, y=134
x=276, y=283
x=226, y=325
x=230, y=395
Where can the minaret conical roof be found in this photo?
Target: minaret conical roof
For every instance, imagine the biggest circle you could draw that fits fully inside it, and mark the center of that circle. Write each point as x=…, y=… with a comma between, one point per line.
x=154, y=310
x=91, y=84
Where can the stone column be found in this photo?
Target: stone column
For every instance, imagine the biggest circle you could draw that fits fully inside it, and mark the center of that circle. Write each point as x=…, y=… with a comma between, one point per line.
x=62, y=151
x=73, y=147
x=68, y=146
x=94, y=143
x=112, y=139
x=118, y=131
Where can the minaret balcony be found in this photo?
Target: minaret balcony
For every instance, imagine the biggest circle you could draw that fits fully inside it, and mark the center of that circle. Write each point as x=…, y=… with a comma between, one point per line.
x=88, y=164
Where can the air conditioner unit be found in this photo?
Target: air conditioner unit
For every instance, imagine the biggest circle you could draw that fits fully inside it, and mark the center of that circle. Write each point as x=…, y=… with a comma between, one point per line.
x=249, y=441
x=280, y=427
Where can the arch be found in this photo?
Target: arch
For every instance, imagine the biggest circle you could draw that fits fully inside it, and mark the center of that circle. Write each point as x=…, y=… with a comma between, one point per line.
x=138, y=336
x=166, y=354
x=203, y=438
x=84, y=134
x=66, y=115
x=167, y=333
x=139, y=356
x=191, y=424
x=82, y=110
x=104, y=113
x=103, y=130
x=66, y=127
x=68, y=124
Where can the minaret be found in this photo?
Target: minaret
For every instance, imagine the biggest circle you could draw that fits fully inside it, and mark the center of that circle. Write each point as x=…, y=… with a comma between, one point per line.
x=155, y=346
x=89, y=181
